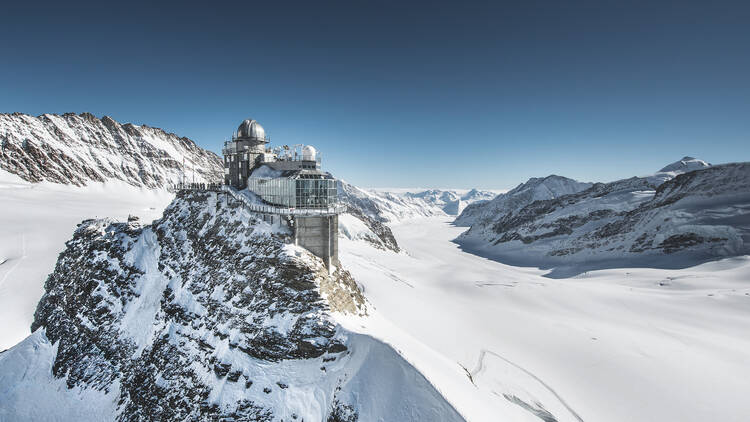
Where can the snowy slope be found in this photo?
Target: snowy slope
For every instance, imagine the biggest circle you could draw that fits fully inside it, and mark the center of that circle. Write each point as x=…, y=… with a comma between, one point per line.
x=210, y=311
x=79, y=149
x=36, y=219
x=506, y=343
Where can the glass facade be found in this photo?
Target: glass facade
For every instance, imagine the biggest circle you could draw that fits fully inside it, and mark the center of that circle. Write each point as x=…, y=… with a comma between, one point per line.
x=299, y=192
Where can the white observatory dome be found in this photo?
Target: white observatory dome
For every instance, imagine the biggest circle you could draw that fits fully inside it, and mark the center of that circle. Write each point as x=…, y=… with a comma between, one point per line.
x=309, y=153
x=251, y=129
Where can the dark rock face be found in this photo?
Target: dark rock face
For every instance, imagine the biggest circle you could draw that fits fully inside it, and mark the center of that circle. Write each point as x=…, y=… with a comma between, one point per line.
x=385, y=239
x=368, y=211
x=79, y=148
x=126, y=310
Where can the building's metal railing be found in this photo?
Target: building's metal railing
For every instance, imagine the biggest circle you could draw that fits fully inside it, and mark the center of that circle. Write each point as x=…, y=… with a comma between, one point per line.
x=260, y=208
x=213, y=187
x=271, y=209
x=234, y=149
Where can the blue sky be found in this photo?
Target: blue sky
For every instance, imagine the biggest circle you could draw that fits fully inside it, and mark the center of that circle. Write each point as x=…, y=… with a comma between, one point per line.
x=454, y=94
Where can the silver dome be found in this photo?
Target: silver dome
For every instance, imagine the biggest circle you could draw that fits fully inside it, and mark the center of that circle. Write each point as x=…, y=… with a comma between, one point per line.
x=251, y=129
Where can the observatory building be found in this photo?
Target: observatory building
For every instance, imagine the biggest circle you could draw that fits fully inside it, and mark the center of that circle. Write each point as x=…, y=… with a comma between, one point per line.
x=289, y=180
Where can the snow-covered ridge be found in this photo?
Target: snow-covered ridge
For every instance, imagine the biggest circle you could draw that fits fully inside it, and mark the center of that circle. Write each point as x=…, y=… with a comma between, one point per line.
x=211, y=311
x=685, y=165
x=79, y=148
x=660, y=221
x=535, y=189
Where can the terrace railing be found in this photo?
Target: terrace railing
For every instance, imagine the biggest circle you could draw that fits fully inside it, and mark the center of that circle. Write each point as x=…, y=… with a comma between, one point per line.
x=273, y=209
x=252, y=206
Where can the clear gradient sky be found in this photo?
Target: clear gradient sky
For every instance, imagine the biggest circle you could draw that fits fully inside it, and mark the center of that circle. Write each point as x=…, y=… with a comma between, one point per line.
x=451, y=94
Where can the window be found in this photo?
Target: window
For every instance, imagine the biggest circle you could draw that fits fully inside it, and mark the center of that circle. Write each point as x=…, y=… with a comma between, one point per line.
x=305, y=192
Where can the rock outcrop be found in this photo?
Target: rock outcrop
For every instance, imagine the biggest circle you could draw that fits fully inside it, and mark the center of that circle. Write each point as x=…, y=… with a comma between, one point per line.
x=207, y=314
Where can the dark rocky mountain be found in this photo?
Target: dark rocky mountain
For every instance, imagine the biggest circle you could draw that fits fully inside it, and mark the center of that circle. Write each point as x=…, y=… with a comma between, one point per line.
x=207, y=314
x=79, y=149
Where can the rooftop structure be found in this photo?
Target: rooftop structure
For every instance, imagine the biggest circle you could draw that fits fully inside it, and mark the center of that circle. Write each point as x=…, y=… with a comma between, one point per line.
x=290, y=182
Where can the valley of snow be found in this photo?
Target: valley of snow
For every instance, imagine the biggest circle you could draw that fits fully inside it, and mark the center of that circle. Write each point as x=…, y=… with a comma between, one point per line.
x=506, y=343
x=37, y=219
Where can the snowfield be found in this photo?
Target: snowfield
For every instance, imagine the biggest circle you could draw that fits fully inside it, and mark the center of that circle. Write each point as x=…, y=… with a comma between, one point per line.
x=507, y=343
x=35, y=222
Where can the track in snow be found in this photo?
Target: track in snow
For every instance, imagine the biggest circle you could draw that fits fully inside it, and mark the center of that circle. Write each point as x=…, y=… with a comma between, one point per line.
x=480, y=367
x=23, y=256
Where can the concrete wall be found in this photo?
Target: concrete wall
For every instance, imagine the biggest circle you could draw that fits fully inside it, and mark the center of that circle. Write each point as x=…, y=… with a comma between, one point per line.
x=239, y=168
x=319, y=235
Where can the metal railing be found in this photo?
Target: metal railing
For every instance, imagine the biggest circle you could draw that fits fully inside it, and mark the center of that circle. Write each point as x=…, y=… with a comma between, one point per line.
x=260, y=208
x=213, y=187
x=271, y=209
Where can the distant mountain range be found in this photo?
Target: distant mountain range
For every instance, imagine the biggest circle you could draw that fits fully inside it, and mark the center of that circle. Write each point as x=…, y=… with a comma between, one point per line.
x=449, y=201
x=377, y=208
x=78, y=149
x=687, y=212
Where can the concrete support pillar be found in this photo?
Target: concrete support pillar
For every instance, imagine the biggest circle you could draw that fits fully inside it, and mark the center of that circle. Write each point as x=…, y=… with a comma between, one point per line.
x=319, y=235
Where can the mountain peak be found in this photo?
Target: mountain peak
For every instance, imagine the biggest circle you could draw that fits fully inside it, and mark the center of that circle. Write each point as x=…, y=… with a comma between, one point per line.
x=685, y=165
